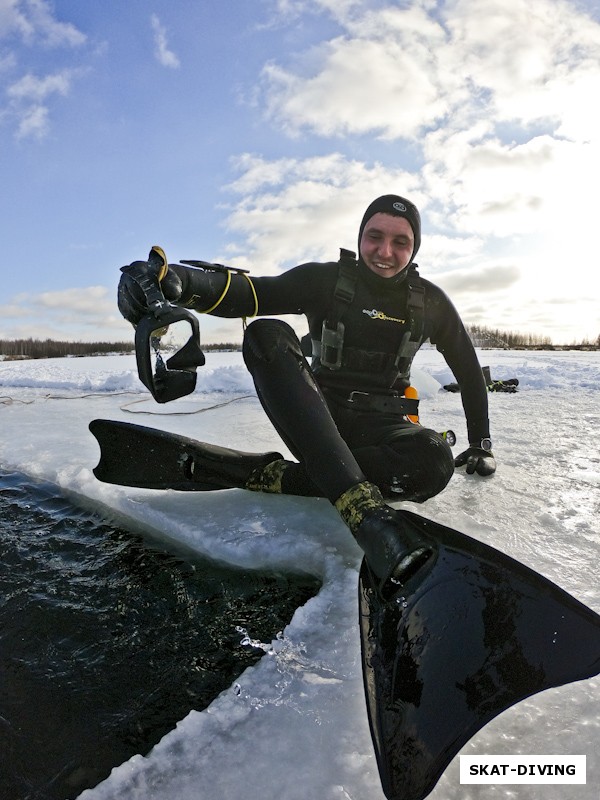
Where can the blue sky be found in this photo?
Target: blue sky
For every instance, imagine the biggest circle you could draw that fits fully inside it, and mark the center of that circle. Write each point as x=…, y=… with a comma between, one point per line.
x=256, y=133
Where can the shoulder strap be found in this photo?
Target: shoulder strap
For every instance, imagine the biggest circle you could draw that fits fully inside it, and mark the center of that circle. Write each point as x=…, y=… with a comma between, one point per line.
x=416, y=304
x=345, y=288
x=412, y=339
x=332, y=334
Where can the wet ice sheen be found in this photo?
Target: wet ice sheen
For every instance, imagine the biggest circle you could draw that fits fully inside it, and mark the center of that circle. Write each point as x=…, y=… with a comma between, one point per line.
x=297, y=728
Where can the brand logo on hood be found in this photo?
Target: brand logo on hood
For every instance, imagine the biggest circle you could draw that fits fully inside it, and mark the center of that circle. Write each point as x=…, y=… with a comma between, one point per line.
x=399, y=207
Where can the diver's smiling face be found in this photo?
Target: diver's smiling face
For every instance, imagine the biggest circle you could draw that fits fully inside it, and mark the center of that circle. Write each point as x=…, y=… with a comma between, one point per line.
x=387, y=244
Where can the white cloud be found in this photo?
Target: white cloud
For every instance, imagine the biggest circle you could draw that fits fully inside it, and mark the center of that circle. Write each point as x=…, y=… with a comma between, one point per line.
x=12, y=20
x=162, y=53
x=28, y=104
x=531, y=55
x=33, y=20
x=382, y=80
x=497, y=189
x=337, y=8
x=30, y=87
x=13, y=311
x=86, y=300
x=64, y=314
x=489, y=279
x=53, y=32
x=33, y=122
x=396, y=72
x=305, y=209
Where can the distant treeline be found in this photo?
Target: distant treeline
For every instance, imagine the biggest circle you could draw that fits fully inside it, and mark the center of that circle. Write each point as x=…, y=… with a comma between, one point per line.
x=227, y=347
x=493, y=337
x=482, y=336
x=49, y=348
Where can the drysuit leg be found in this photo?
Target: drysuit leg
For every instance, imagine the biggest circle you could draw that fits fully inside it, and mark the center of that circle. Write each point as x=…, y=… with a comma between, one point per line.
x=413, y=463
x=295, y=405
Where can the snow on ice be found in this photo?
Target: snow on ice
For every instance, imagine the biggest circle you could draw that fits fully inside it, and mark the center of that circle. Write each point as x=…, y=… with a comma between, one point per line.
x=294, y=726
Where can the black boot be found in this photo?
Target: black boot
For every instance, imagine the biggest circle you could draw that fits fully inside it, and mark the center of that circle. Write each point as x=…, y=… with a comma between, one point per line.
x=394, y=552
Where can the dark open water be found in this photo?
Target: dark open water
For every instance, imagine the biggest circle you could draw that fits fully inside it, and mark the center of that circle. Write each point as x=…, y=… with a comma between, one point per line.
x=106, y=643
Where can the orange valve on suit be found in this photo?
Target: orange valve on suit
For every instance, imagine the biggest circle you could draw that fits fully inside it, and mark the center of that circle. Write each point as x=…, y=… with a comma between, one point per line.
x=412, y=394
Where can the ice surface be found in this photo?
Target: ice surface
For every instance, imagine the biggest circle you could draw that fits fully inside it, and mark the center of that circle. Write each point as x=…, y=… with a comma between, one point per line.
x=294, y=726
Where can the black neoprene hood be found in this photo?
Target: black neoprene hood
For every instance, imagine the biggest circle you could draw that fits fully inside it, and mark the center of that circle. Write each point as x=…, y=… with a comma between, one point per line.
x=396, y=206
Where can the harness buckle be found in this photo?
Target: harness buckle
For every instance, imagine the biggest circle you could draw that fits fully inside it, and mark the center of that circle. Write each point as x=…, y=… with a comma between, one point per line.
x=351, y=396
x=332, y=342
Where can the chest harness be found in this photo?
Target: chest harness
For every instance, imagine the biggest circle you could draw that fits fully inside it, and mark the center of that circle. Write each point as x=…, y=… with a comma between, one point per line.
x=330, y=354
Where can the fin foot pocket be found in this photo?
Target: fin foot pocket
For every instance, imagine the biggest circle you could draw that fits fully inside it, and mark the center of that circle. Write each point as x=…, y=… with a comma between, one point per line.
x=395, y=552
x=410, y=566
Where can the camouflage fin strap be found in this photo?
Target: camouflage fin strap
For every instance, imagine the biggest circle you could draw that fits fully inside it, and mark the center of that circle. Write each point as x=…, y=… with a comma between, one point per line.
x=393, y=552
x=267, y=478
x=357, y=501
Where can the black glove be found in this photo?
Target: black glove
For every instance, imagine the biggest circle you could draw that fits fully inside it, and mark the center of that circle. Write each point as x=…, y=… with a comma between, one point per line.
x=132, y=300
x=477, y=460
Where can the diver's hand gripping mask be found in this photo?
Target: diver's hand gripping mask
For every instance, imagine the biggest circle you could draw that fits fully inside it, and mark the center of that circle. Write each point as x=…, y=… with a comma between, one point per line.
x=175, y=377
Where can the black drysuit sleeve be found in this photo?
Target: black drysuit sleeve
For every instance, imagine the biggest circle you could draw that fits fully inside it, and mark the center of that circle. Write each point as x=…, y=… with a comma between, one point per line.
x=453, y=342
x=298, y=291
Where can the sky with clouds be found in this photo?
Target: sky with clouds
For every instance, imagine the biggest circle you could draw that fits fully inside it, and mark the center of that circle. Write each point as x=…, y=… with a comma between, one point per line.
x=256, y=133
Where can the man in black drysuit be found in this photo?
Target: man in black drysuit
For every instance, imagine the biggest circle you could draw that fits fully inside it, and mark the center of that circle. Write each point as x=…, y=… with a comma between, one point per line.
x=345, y=419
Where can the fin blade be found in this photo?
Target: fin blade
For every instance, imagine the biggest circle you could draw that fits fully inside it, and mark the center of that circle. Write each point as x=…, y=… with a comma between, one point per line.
x=479, y=633
x=148, y=458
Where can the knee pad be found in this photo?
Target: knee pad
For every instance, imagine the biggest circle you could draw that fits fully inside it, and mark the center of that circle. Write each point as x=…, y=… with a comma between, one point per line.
x=266, y=339
x=421, y=465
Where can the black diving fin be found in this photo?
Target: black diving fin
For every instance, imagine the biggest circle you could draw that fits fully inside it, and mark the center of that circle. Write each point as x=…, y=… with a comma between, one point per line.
x=469, y=635
x=177, y=376
x=147, y=458
x=474, y=635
